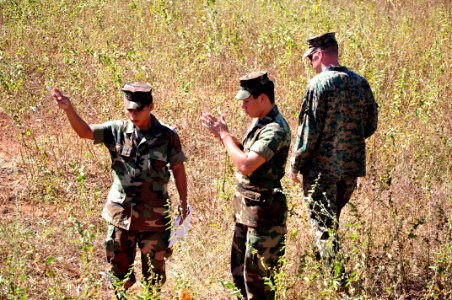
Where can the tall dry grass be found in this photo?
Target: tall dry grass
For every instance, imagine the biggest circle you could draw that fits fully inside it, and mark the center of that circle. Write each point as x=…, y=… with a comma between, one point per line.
x=396, y=232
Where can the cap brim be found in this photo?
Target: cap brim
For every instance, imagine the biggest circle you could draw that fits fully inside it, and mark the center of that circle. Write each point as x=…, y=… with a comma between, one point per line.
x=309, y=52
x=132, y=105
x=242, y=95
x=136, y=87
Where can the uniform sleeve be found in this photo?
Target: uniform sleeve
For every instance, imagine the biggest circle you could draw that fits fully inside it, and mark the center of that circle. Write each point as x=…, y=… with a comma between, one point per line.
x=271, y=140
x=175, y=153
x=371, y=113
x=309, y=126
x=104, y=133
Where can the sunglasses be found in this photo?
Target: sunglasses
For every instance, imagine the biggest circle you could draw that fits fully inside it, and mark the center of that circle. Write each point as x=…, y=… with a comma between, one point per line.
x=312, y=54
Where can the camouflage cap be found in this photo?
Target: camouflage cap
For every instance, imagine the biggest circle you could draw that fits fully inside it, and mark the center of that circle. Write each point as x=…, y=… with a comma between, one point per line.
x=137, y=95
x=320, y=42
x=251, y=82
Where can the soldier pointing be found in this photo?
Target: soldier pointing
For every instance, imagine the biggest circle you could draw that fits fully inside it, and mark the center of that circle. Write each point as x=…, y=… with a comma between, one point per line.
x=137, y=208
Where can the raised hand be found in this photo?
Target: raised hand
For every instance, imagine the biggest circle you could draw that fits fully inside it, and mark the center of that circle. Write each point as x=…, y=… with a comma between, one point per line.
x=62, y=100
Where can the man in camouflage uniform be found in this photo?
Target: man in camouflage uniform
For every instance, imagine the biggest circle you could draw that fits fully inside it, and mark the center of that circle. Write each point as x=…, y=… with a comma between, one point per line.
x=137, y=207
x=337, y=114
x=260, y=207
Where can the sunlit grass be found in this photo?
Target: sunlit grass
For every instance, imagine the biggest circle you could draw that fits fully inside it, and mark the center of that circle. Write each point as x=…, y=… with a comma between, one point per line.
x=396, y=233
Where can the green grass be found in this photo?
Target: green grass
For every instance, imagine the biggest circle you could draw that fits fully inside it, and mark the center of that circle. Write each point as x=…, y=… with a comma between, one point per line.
x=396, y=233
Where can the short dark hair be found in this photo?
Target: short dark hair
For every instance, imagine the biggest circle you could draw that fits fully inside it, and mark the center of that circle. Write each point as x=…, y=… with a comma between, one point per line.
x=268, y=89
x=332, y=49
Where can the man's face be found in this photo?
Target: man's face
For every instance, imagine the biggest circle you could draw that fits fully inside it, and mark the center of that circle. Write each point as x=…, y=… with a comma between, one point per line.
x=315, y=59
x=252, y=106
x=140, y=118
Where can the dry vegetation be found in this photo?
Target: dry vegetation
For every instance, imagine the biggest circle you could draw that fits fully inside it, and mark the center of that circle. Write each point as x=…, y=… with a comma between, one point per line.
x=396, y=232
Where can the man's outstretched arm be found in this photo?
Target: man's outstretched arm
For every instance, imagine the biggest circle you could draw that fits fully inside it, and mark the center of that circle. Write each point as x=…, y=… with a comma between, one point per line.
x=78, y=124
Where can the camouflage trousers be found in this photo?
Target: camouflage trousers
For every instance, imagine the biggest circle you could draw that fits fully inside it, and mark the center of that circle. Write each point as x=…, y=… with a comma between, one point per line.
x=325, y=201
x=255, y=259
x=121, y=245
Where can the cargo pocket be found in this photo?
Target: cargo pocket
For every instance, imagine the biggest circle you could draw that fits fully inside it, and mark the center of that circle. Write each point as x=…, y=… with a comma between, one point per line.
x=109, y=242
x=277, y=210
x=253, y=207
x=253, y=198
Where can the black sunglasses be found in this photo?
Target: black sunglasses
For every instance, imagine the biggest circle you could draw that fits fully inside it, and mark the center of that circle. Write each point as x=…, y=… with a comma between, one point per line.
x=312, y=54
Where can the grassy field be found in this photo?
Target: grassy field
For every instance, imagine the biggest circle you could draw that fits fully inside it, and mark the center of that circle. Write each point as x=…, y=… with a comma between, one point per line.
x=397, y=230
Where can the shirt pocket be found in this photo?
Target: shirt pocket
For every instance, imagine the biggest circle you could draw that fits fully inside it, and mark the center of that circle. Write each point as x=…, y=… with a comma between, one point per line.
x=116, y=194
x=121, y=160
x=157, y=166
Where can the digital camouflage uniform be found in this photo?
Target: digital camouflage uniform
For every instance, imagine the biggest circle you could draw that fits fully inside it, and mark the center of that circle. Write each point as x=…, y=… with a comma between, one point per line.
x=337, y=115
x=137, y=207
x=260, y=209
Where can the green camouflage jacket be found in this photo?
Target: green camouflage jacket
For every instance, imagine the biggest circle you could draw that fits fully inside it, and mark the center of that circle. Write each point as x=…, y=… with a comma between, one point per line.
x=338, y=113
x=258, y=198
x=138, y=198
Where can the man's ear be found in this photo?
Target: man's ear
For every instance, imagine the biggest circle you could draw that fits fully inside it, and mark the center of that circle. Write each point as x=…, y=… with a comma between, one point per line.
x=151, y=106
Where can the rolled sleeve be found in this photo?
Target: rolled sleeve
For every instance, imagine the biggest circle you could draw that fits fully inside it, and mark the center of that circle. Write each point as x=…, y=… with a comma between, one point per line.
x=103, y=133
x=269, y=142
x=176, y=155
x=261, y=148
x=178, y=158
x=98, y=133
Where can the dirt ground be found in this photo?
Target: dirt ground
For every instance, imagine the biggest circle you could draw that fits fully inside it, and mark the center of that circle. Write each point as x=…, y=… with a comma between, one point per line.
x=9, y=145
x=10, y=172
x=14, y=201
x=13, y=177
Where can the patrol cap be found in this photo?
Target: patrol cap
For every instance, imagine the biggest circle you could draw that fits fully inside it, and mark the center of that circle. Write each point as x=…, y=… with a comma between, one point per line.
x=320, y=42
x=250, y=83
x=137, y=95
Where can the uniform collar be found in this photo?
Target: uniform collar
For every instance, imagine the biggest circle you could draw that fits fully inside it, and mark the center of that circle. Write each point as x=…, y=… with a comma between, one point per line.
x=269, y=117
x=130, y=127
x=155, y=124
x=336, y=68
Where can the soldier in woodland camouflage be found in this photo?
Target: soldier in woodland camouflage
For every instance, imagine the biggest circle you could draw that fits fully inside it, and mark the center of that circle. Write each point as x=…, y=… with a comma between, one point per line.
x=137, y=207
x=260, y=207
x=337, y=115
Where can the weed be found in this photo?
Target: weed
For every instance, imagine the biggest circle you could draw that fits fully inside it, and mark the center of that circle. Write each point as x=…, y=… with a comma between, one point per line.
x=395, y=232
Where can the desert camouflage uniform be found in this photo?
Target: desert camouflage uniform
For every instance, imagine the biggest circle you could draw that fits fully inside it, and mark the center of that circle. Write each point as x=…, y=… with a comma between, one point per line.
x=260, y=209
x=337, y=115
x=137, y=207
